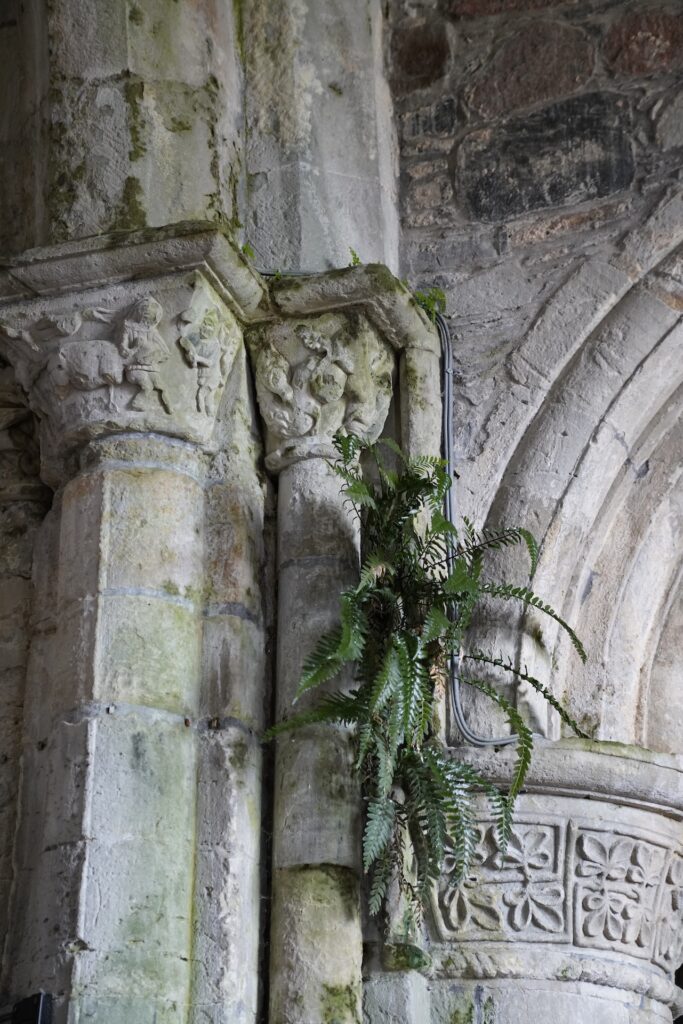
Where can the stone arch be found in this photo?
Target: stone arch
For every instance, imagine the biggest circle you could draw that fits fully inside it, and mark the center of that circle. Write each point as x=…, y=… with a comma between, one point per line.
x=587, y=453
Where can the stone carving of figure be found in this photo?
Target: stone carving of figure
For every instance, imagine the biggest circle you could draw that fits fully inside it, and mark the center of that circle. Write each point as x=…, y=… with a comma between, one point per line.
x=144, y=352
x=204, y=347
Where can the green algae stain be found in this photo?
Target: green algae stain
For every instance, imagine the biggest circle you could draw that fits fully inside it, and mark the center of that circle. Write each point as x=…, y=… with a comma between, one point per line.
x=339, y=1005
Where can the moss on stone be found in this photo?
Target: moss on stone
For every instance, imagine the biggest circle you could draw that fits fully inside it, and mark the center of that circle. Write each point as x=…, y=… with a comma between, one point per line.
x=132, y=213
x=133, y=92
x=135, y=15
x=465, y=1016
x=405, y=956
x=339, y=1004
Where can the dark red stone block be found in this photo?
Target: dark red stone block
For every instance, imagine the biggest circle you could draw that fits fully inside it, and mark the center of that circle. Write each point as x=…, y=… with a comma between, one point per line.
x=482, y=8
x=544, y=61
x=566, y=154
x=645, y=42
x=420, y=55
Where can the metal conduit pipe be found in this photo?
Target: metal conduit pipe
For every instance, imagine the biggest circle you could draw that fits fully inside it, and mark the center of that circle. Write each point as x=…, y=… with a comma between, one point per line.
x=449, y=511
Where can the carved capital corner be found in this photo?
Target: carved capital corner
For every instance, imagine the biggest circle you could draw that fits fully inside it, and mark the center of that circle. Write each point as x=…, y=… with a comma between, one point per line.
x=316, y=375
x=149, y=353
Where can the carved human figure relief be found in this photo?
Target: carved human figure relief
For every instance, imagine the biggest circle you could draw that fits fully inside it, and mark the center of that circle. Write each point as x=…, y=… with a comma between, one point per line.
x=144, y=352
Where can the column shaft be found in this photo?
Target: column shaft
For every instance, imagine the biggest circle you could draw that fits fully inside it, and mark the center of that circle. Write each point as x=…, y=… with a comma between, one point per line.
x=103, y=909
x=316, y=936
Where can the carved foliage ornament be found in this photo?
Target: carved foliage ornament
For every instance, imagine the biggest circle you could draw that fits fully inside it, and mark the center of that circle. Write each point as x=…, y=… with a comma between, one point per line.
x=132, y=365
x=315, y=376
x=562, y=882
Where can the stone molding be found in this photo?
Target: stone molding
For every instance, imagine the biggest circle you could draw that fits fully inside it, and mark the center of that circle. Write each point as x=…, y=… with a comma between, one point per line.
x=590, y=887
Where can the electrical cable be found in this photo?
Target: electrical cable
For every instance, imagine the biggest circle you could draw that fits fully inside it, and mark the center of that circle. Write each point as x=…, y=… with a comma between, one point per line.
x=449, y=511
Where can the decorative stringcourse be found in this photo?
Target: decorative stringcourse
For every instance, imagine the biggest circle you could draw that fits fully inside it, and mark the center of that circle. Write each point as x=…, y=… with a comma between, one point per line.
x=420, y=584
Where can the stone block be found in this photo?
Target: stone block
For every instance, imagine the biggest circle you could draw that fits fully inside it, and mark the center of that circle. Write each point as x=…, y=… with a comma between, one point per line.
x=152, y=532
x=543, y=61
x=234, y=667
x=484, y=8
x=308, y=602
x=420, y=54
x=47, y=905
x=643, y=42
x=317, y=799
x=437, y=120
x=229, y=774
x=227, y=914
x=148, y=653
x=669, y=129
x=234, y=546
x=396, y=998
x=315, y=969
x=571, y=152
x=136, y=905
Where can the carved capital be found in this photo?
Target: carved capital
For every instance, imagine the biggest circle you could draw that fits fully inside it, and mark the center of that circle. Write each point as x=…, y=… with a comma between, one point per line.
x=317, y=375
x=144, y=357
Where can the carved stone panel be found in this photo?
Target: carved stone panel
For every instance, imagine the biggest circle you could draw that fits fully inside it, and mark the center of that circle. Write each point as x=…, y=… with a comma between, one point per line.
x=152, y=357
x=519, y=894
x=315, y=376
x=588, y=885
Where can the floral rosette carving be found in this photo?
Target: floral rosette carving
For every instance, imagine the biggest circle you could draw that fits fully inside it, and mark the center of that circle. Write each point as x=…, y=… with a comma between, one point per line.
x=615, y=899
x=669, y=948
x=517, y=893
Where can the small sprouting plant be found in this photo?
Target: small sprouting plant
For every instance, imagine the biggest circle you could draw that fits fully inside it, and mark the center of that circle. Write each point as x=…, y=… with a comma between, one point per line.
x=248, y=251
x=420, y=584
x=433, y=302
x=355, y=259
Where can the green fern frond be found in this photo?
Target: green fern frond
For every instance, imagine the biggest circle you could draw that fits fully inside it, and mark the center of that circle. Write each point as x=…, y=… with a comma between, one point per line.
x=507, y=665
x=379, y=827
x=527, y=597
x=420, y=586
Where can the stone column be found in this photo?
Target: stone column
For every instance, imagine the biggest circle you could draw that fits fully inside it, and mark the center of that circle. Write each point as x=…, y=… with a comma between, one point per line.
x=326, y=364
x=320, y=142
x=313, y=376
x=126, y=380
x=24, y=500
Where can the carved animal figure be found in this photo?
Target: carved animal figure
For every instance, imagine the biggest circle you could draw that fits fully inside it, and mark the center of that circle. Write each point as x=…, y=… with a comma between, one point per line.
x=86, y=367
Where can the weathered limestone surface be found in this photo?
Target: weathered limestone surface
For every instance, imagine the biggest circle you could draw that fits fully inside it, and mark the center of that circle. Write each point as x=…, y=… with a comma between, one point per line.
x=584, y=906
x=320, y=148
x=119, y=116
x=328, y=363
x=540, y=150
x=23, y=502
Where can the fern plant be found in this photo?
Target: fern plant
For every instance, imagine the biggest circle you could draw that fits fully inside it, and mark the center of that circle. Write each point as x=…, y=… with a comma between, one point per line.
x=420, y=584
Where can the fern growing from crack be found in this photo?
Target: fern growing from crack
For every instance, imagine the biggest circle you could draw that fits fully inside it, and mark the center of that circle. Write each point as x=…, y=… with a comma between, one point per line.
x=420, y=583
